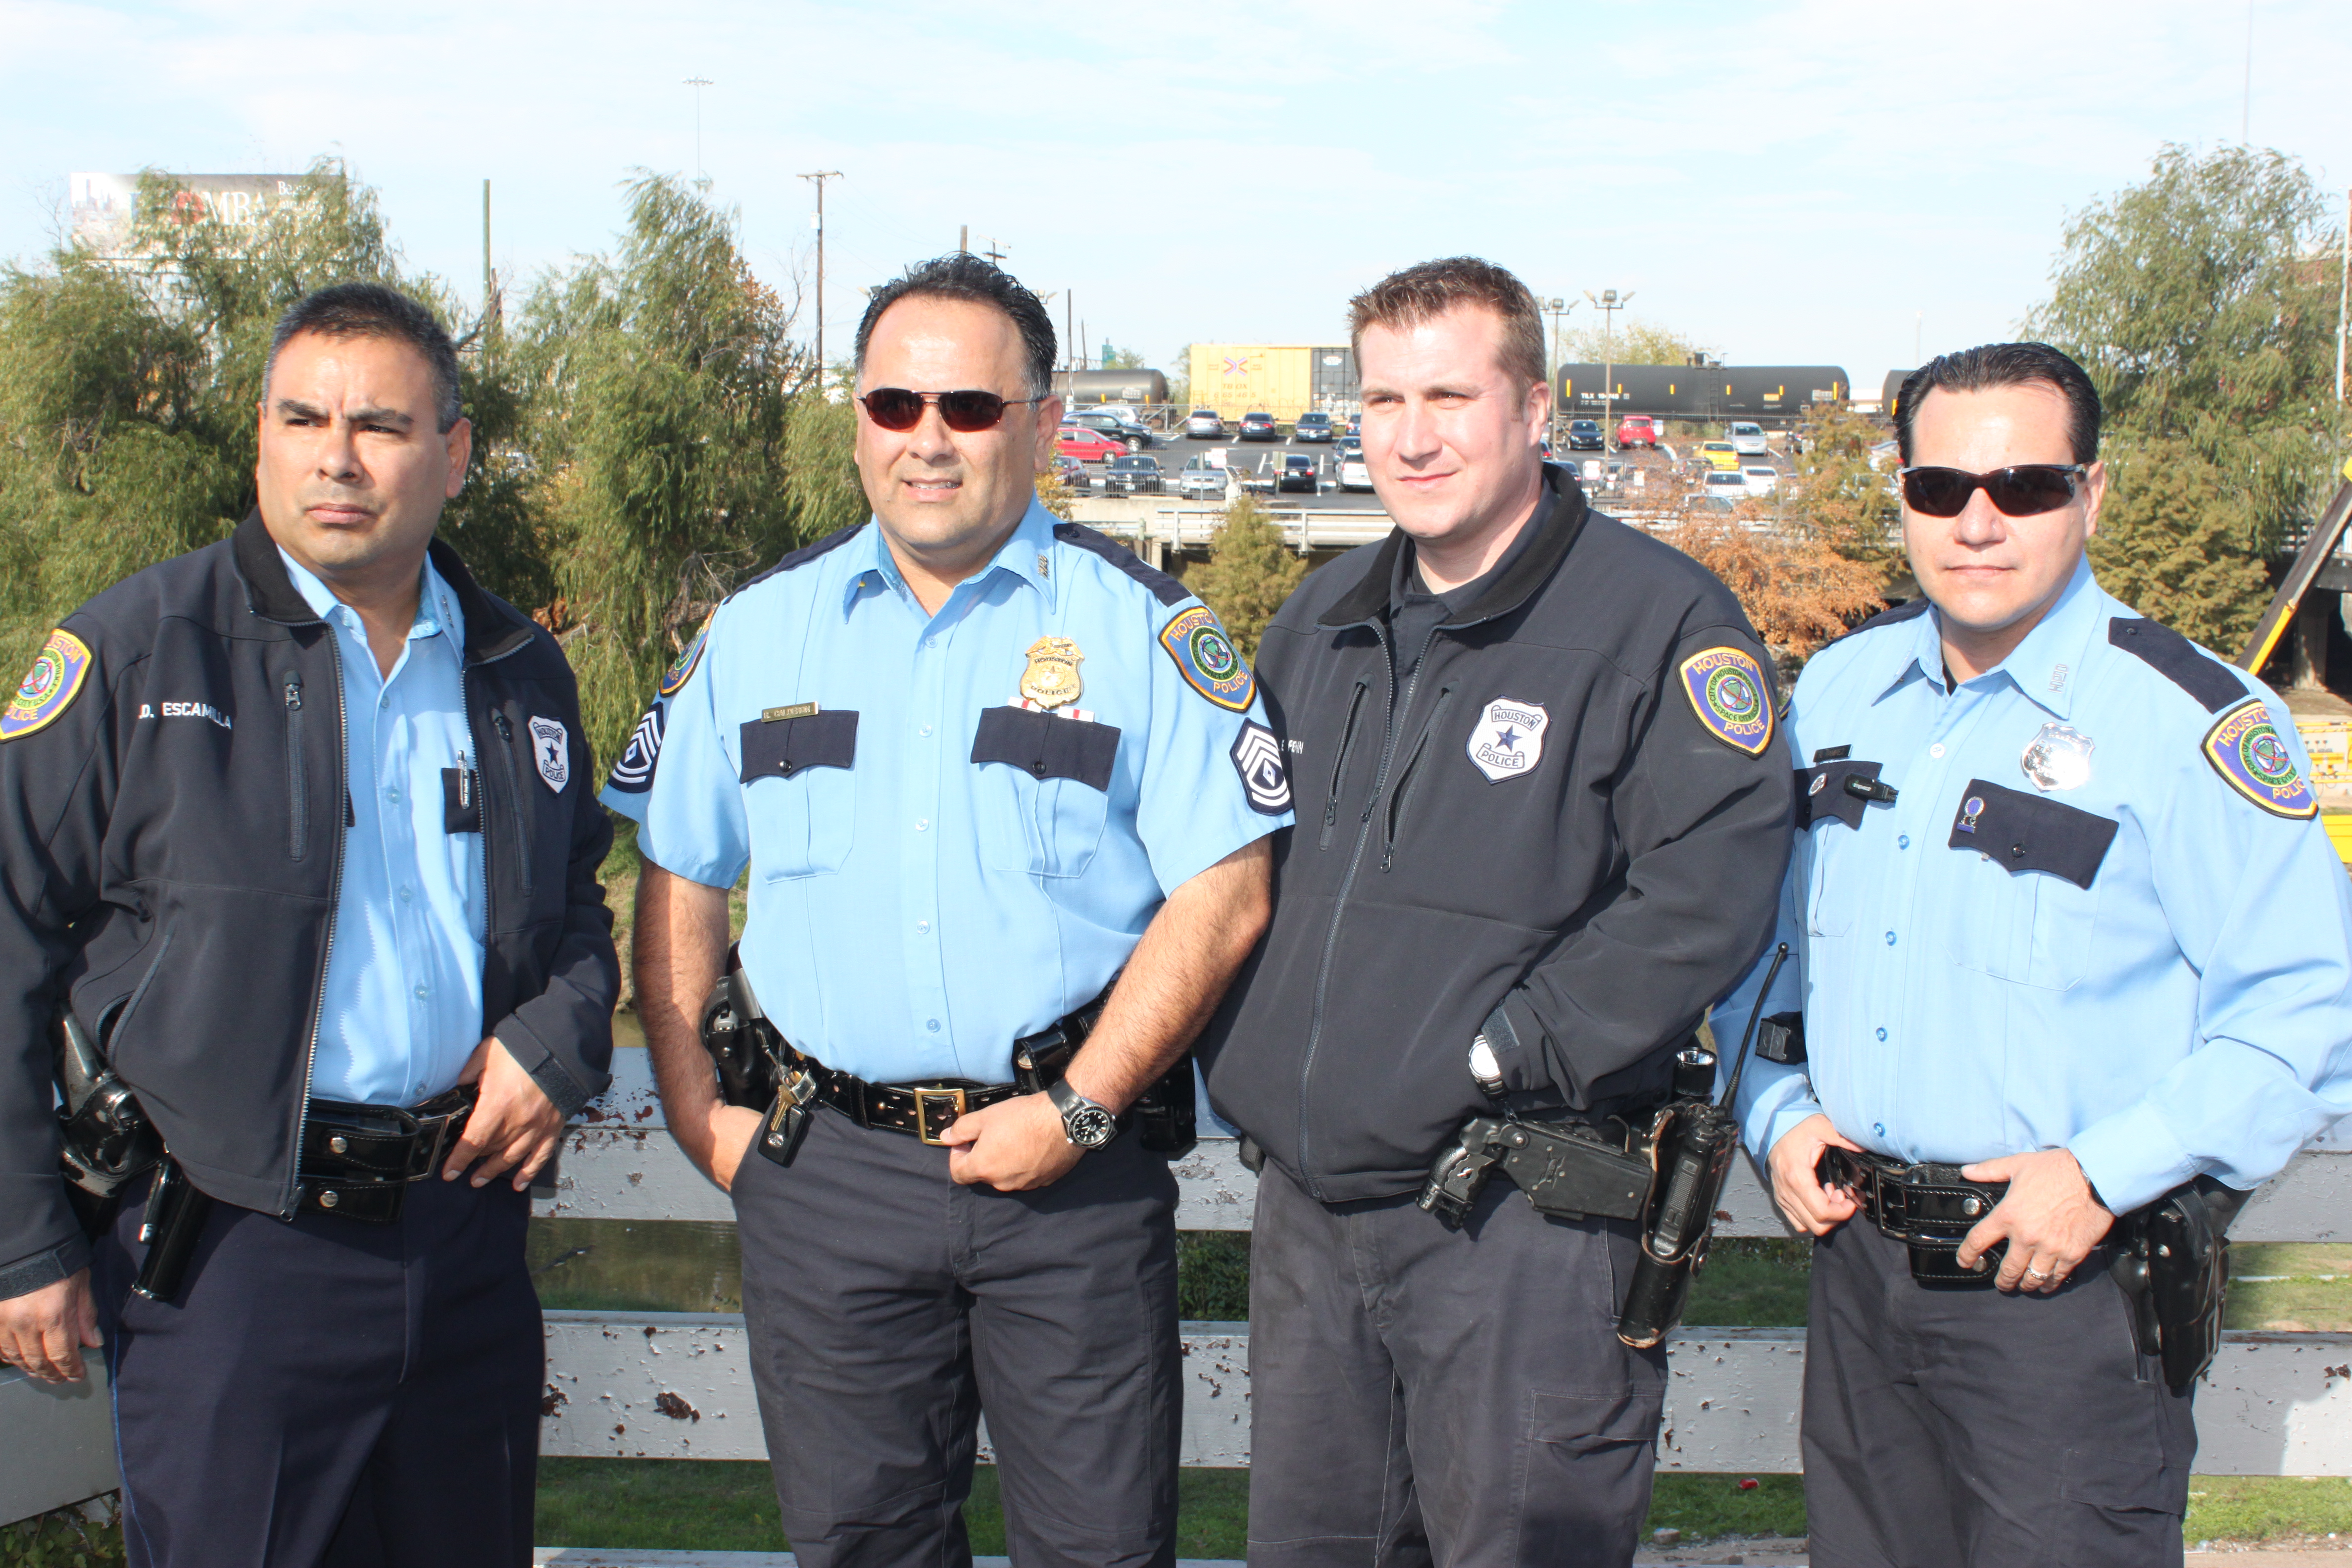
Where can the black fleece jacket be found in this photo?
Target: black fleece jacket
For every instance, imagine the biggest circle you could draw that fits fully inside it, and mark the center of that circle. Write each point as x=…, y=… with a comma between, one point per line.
x=174, y=883
x=1585, y=910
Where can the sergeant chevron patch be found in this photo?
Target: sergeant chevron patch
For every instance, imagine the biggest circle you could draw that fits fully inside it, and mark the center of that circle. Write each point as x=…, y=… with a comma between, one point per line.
x=2244, y=748
x=1728, y=691
x=1205, y=656
x=49, y=687
x=633, y=773
x=1257, y=757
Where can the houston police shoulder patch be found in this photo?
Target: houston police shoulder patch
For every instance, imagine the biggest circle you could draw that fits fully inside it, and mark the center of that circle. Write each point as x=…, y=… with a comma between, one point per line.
x=2245, y=748
x=48, y=689
x=633, y=773
x=680, y=672
x=1728, y=691
x=1207, y=659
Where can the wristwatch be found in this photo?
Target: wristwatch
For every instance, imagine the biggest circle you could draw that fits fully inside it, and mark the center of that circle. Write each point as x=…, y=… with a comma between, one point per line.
x=1484, y=1069
x=1084, y=1123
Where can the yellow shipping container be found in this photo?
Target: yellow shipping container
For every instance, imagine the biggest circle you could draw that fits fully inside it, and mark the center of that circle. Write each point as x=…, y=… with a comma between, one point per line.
x=1235, y=379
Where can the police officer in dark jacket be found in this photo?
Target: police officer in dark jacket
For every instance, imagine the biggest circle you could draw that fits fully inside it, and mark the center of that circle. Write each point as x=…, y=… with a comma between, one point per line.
x=1542, y=814
x=298, y=831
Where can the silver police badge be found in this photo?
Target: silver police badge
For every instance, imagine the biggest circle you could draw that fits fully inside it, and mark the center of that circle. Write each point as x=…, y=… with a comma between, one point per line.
x=1507, y=739
x=2058, y=758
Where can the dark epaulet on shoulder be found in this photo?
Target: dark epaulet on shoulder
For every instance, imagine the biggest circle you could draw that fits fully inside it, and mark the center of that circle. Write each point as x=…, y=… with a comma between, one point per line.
x=1907, y=612
x=806, y=554
x=2176, y=658
x=1164, y=588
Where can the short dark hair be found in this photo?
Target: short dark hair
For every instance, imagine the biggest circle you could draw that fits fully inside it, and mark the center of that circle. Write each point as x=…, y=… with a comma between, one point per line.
x=1415, y=295
x=373, y=310
x=1988, y=365
x=964, y=276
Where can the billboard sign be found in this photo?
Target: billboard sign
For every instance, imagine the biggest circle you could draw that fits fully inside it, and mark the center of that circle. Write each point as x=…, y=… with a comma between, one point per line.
x=104, y=204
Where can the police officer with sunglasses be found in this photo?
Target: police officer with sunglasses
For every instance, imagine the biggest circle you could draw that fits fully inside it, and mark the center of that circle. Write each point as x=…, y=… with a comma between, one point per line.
x=1002, y=792
x=2074, y=965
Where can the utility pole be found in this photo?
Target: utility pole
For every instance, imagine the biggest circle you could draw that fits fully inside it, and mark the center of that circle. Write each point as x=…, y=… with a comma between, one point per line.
x=489, y=285
x=2343, y=309
x=994, y=255
x=698, y=83
x=820, y=176
x=1556, y=308
x=1609, y=303
x=963, y=239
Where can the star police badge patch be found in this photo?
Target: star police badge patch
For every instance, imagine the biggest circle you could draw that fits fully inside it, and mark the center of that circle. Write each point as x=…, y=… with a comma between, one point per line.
x=1257, y=757
x=1507, y=739
x=48, y=689
x=1206, y=658
x=633, y=773
x=2245, y=748
x=680, y=672
x=1728, y=691
x=551, y=752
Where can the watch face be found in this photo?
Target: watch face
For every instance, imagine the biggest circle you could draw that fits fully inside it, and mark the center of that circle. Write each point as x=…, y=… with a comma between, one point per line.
x=1090, y=1126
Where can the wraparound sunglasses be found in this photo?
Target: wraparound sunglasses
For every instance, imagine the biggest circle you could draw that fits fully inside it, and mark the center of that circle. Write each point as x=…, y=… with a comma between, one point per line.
x=896, y=408
x=2027, y=490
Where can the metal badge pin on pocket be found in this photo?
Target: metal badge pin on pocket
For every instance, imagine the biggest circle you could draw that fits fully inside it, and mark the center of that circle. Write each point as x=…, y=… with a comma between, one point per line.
x=1970, y=809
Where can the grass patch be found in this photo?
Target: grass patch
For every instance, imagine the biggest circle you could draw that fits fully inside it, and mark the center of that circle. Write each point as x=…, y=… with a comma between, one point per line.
x=1752, y=1282
x=1703, y=1507
x=1213, y=1275
x=2267, y=1508
x=2297, y=1286
x=636, y=1265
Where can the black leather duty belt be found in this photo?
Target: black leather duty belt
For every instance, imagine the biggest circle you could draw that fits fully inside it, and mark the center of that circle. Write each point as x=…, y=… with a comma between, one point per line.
x=358, y=1159
x=1930, y=1208
x=924, y=1110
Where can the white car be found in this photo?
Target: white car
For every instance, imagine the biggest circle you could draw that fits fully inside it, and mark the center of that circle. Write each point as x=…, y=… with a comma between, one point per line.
x=1748, y=439
x=1762, y=479
x=1728, y=483
x=1355, y=475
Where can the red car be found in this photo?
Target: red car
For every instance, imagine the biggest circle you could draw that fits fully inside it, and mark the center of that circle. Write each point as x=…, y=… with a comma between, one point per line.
x=1637, y=430
x=1089, y=446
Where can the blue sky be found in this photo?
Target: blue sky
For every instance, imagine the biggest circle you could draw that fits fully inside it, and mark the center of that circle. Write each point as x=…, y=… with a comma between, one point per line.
x=1788, y=180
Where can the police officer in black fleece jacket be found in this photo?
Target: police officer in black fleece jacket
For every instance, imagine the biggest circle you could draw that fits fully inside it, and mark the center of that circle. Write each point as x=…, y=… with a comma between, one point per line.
x=1542, y=805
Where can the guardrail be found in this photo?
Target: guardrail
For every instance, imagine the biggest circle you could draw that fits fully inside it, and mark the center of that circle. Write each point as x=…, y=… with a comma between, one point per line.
x=678, y=1385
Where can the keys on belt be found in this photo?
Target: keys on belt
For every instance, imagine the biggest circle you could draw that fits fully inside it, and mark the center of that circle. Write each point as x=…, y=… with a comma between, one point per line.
x=358, y=1159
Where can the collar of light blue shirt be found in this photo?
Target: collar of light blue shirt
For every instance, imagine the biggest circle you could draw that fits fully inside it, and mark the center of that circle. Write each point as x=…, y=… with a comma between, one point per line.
x=437, y=607
x=2043, y=668
x=1026, y=554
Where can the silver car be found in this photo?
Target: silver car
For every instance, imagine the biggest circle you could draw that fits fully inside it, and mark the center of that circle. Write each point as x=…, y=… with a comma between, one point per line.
x=1204, y=425
x=1202, y=480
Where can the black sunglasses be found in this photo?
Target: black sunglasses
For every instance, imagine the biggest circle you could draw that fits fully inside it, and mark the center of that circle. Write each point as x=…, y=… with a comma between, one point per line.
x=2029, y=489
x=896, y=408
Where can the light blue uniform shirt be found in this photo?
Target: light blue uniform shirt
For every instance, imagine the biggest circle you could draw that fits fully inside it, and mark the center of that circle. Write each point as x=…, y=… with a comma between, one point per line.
x=913, y=910
x=402, y=1005
x=2188, y=1012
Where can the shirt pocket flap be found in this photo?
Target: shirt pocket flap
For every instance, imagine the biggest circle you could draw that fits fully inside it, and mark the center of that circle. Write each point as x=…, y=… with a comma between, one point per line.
x=2026, y=833
x=1047, y=747
x=1821, y=794
x=785, y=747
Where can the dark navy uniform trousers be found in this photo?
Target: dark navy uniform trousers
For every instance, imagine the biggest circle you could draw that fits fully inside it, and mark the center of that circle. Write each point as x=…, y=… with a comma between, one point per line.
x=1971, y=1429
x=332, y=1393
x=1424, y=1395
x=889, y=1307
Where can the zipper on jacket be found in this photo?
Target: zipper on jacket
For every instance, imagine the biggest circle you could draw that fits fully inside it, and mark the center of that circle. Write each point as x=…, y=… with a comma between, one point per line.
x=297, y=778
x=481, y=810
x=1339, y=902
x=1409, y=775
x=1339, y=764
x=514, y=805
x=335, y=906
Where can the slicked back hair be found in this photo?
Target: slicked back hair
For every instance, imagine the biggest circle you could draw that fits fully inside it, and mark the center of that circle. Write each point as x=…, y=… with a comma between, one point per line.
x=964, y=276
x=1421, y=293
x=1990, y=365
x=373, y=310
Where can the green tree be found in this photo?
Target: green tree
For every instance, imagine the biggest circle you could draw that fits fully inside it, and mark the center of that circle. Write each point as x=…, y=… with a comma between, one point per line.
x=1840, y=496
x=1249, y=573
x=1633, y=342
x=2171, y=542
x=2203, y=305
x=678, y=454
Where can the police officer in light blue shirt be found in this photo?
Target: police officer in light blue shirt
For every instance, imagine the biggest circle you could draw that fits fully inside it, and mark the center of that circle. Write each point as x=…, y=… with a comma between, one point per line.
x=2068, y=948
x=1000, y=788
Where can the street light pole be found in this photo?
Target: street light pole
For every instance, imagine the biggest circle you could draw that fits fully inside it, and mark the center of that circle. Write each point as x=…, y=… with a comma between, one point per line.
x=1556, y=308
x=698, y=83
x=820, y=176
x=1609, y=303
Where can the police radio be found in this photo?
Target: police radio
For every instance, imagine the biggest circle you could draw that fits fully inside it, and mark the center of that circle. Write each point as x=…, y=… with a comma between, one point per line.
x=1693, y=1144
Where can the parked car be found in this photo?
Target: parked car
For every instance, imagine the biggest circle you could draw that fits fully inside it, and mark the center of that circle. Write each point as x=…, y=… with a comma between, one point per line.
x=1075, y=474
x=1259, y=427
x=1638, y=430
x=1088, y=446
x=1203, y=480
x=1312, y=427
x=1355, y=474
x=1761, y=479
x=1720, y=454
x=1748, y=439
x=1134, y=475
x=1120, y=427
x=1584, y=436
x=1204, y=425
x=1345, y=447
x=1299, y=472
x=1728, y=483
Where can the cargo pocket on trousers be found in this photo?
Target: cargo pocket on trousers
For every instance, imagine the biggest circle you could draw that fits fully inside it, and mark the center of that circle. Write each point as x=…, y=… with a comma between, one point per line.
x=2125, y=1486
x=1584, y=1464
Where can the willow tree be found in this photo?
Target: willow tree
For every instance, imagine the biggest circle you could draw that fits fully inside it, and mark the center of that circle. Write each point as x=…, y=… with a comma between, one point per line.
x=680, y=437
x=129, y=387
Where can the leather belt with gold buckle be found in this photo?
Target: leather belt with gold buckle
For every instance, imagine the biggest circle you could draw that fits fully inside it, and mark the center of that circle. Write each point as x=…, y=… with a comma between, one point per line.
x=919, y=1111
